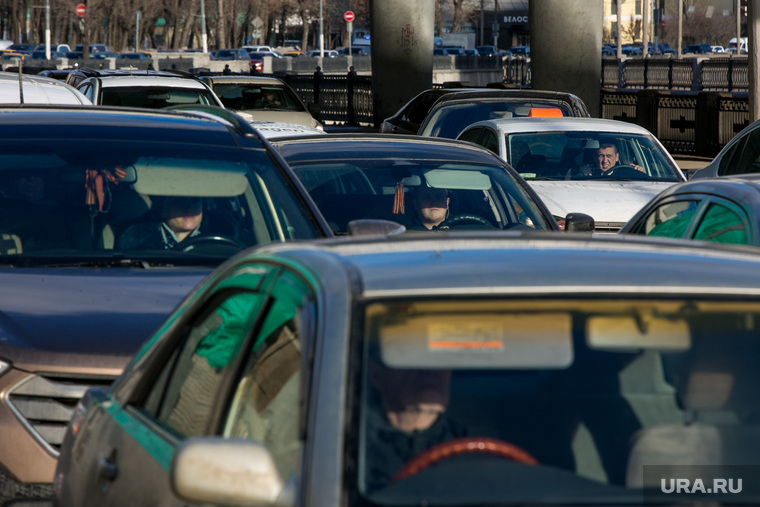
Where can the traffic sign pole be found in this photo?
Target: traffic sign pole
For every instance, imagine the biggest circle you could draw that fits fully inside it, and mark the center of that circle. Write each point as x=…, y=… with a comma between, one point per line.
x=349, y=17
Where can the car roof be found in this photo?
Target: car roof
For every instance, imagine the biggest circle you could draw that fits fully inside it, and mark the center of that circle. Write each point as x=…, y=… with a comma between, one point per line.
x=244, y=79
x=108, y=80
x=337, y=146
x=87, y=124
x=495, y=93
x=542, y=124
x=38, y=90
x=445, y=264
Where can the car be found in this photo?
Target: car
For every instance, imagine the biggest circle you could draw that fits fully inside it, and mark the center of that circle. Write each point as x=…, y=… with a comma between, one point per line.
x=38, y=90
x=328, y=53
x=407, y=120
x=293, y=54
x=471, y=52
x=385, y=177
x=42, y=55
x=61, y=48
x=245, y=93
x=231, y=54
x=93, y=48
x=77, y=304
x=440, y=52
x=558, y=158
x=138, y=55
x=722, y=210
x=698, y=49
x=717, y=49
x=259, y=49
x=455, y=111
x=454, y=50
x=142, y=88
x=520, y=50
x=464, y=369
x=738, y=156
x=487, y=50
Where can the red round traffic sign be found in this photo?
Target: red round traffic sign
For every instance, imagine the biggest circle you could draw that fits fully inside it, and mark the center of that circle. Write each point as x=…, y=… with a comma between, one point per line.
x=348, y=16
x=662, y=24
x=80, y=10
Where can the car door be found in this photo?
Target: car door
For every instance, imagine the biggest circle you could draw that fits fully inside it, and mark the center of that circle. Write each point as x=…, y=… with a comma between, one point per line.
x=179, y=394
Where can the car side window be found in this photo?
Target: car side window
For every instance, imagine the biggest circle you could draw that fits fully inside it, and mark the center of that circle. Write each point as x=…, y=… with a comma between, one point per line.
x=721, y=224
x=670, y=220
x=489, y=141
x=268, y=399
x=472, y=135
x=184, y=394
x=743, y=157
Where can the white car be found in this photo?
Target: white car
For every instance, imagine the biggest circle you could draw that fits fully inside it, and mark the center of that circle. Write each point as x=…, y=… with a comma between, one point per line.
x=558, y=157
x=38, y=90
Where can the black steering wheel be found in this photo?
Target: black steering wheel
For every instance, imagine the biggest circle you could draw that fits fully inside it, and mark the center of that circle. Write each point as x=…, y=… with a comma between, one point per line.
x=623, y=171
x=464, y=219
x=209, y=239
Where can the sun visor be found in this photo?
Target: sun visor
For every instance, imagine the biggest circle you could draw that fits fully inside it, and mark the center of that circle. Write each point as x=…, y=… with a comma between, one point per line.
x=457, y=179
x=176, y=176
x=496, y=340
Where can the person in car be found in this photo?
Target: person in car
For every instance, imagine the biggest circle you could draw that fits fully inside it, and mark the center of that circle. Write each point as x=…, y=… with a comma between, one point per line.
x=431, y=207
x=175, y=219
x=406, y=416
x=607, y=157
x=268, y=100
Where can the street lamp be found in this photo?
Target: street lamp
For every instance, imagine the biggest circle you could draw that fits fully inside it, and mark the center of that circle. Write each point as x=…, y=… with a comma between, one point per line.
x=321, y=32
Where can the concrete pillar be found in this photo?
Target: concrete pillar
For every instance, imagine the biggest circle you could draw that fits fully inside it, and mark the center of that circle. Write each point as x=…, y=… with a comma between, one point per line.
x=566, y=48
x=402, y=52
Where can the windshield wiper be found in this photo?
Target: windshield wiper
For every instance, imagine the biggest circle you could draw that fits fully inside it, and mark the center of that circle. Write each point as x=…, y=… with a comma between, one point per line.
x=109, y=263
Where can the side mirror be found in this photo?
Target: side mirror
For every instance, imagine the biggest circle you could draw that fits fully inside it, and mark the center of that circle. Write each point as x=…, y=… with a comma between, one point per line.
x=372, y=227
x=579, y=222
x=313, y=108
x=225, y=471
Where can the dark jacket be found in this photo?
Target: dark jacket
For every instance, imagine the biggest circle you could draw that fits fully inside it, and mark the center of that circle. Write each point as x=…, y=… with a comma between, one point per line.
x=152, y=235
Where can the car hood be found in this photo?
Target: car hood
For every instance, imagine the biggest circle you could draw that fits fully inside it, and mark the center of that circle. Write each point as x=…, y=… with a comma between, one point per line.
x=605, y=201
x=299, y=118
x=58, y=319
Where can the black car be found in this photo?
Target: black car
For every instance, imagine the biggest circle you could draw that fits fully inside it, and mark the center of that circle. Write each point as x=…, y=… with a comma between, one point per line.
x=78, y=188
x=452, y=112
x=721, y=210
x=407, y=120
x=382, y=176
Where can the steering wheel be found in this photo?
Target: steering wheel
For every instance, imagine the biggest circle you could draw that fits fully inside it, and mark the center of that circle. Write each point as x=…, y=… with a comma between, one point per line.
x=623, y=171
x=209, y=239
x=466, y=445
x=464, y=219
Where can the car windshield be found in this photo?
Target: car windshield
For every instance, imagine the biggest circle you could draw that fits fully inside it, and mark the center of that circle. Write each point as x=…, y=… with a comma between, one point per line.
x=154, y=97
x=576, y=156
x=242, y=96
x=558, y=402
x=465, y=195
x=451, y=119
x=127, y=201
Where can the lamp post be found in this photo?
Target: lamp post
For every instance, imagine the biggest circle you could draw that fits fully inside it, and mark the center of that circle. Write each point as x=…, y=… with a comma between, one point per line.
x=204, y=35
x=321, y=31
x=47, y=29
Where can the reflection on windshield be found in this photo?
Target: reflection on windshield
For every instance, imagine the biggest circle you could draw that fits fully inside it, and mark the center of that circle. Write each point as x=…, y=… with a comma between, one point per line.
x=126, y=200
x=588, y=156
x=555, y=402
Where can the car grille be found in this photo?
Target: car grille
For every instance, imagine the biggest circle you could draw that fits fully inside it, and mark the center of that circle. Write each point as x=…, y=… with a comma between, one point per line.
x=45, y=404
x=608, y=227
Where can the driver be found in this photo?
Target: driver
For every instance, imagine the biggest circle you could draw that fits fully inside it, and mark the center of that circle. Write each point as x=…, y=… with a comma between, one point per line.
x=406, y=416
x=607, y=157
x=175, y=219
x=431, y=206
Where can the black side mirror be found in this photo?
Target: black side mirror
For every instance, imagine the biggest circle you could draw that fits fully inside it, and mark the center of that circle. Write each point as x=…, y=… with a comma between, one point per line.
x=579, y=222
x=313, y=108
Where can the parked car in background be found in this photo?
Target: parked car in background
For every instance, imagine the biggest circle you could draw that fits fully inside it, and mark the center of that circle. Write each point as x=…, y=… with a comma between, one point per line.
x=259, y=49
x=440, y=52
x=231, y=54
x=741, y=155
x=722, y=210
x=38, y=90
x=538, y=369
x=559, y=158
x=264, y=98
x=62, y=48
x=520, y=50
x=697, y=49
x=487, y=50
x=378, y=176
x=94, y=48
x=88, y=268
x=455, y=111
x=142, y=88
x=138, y=55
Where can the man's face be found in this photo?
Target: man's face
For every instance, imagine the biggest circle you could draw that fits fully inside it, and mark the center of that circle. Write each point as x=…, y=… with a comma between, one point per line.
x=182, y=214
x=412, y=399
x=432, y=204
x=607, y=158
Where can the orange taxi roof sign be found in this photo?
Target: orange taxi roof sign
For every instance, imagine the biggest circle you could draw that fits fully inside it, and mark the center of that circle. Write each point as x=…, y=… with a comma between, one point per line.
x=545, y=112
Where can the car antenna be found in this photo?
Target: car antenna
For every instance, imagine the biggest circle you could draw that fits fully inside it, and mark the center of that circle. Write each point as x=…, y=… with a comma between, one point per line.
x=20, y=81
